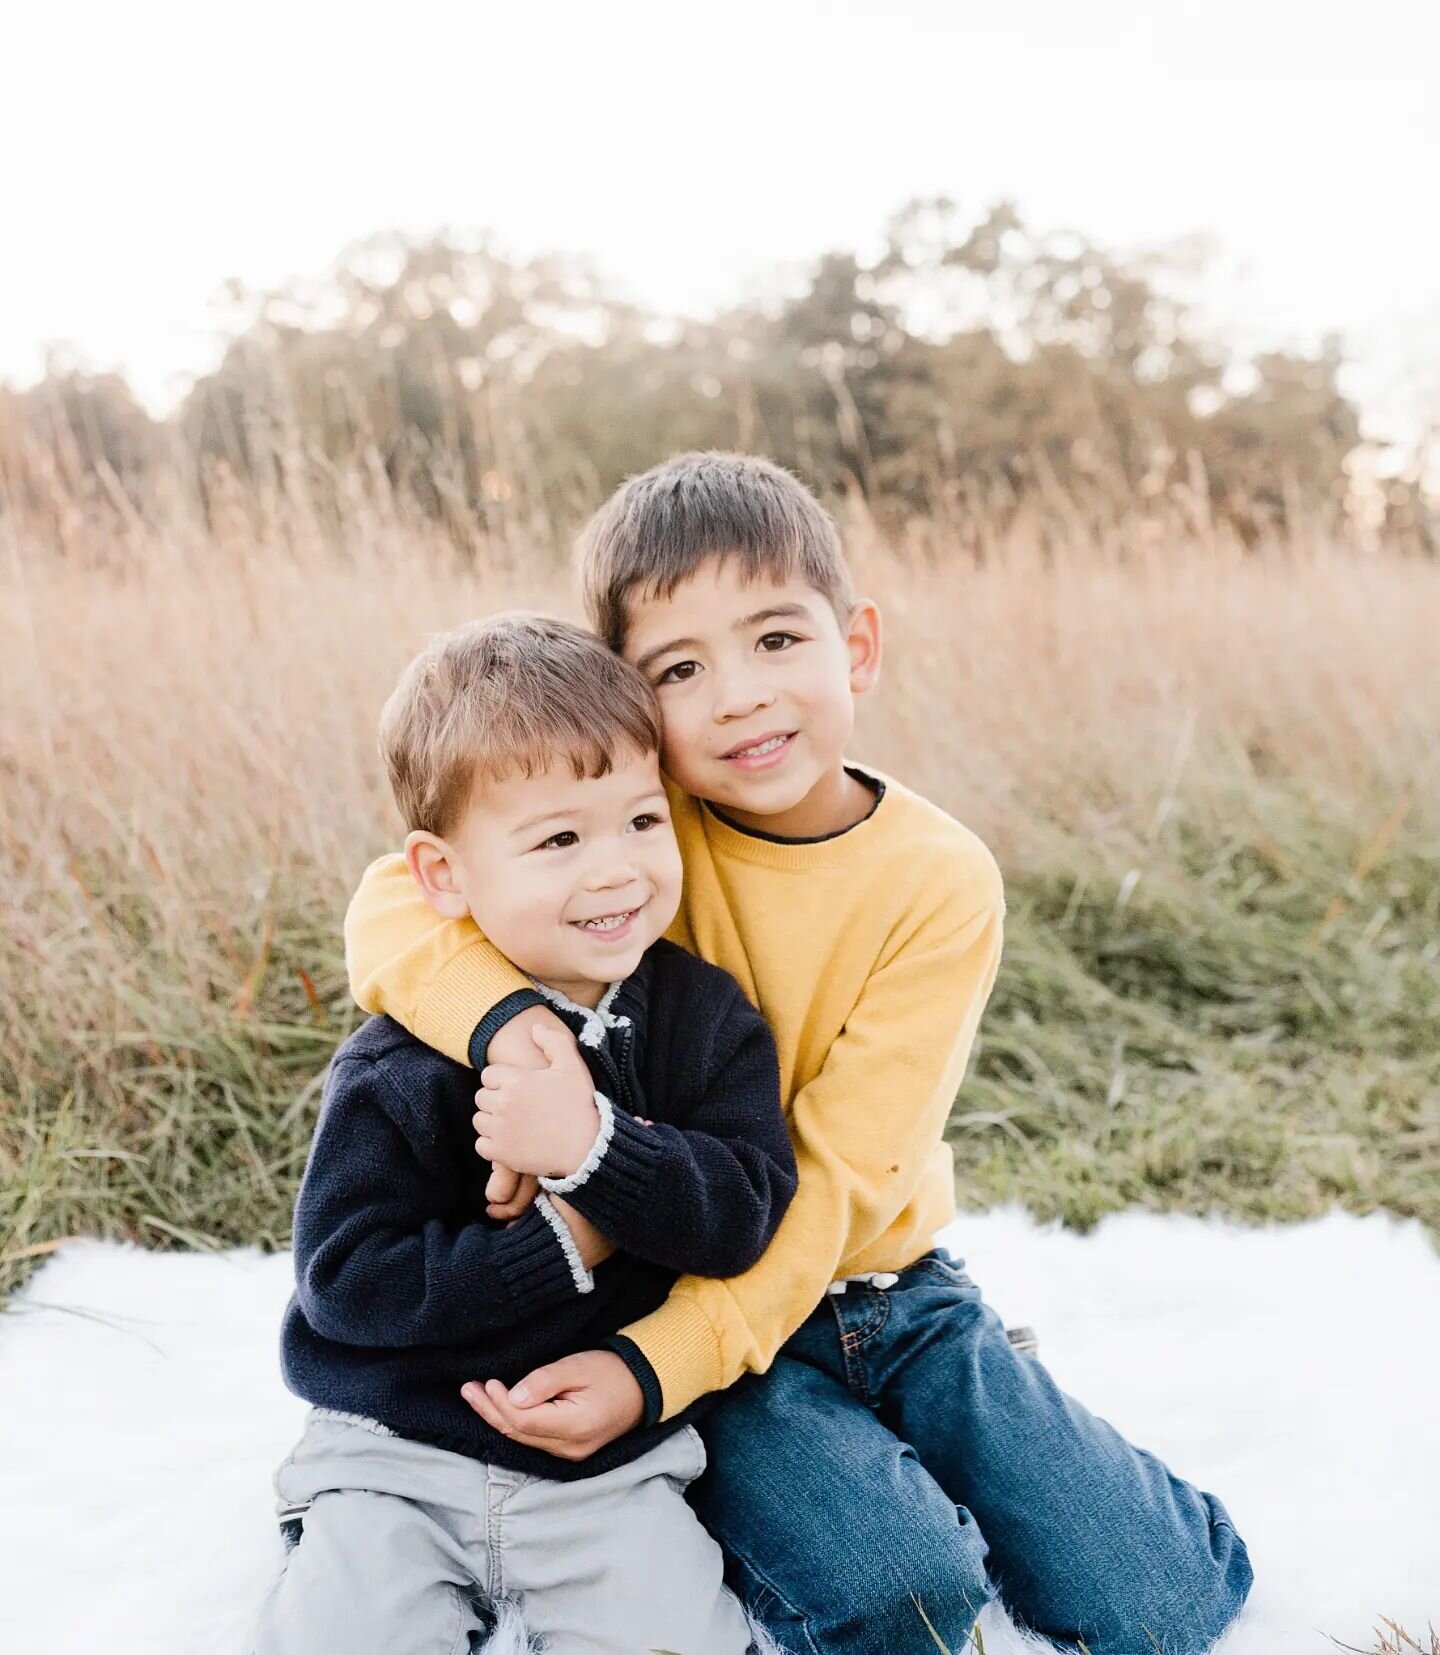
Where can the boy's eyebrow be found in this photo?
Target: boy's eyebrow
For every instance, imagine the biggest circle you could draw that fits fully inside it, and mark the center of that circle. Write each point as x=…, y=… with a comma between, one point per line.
x=557, y=815
x=535, y=821
x=775, y=612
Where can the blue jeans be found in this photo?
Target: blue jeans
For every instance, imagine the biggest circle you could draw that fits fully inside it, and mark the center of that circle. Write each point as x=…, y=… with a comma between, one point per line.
x=901, y=1462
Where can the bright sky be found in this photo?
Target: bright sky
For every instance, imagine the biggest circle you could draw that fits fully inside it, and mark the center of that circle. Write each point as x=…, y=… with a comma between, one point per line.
x=153, y=149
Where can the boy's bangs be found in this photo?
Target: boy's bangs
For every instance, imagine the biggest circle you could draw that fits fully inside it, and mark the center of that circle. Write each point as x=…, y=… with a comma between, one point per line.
x=658, y=529
x=588, y=756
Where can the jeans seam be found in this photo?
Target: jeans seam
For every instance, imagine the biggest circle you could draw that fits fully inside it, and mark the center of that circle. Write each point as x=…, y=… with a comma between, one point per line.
x=857, y=1379
x=801, y=1620
x=877, y=1321
x=852, y=1368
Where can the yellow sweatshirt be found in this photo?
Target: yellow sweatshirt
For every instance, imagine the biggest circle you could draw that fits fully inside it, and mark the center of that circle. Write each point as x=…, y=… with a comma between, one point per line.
x=871, y=956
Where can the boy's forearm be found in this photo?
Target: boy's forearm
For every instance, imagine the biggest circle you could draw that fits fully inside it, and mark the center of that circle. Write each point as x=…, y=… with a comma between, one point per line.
x=439, y=978
x=389, y=1290
x=705, y=1192
x=686, y=1200
x=375, y=1264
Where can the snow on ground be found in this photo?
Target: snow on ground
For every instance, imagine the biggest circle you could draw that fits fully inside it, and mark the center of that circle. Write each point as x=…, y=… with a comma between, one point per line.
x=1291, y=1370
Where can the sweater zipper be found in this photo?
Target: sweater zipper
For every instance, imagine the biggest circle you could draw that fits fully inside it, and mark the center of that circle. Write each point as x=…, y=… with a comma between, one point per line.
x=622, y=1063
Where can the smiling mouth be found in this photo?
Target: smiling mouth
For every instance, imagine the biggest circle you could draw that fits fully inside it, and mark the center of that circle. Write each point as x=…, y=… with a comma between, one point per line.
x=607, y=922
x=758, y=749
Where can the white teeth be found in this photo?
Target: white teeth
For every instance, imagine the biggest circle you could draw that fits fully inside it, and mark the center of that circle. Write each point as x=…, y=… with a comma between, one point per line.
x=764, y=747
x=609, y=924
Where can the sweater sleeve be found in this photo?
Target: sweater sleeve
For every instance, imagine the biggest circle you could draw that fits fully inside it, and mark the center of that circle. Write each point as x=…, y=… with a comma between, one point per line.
x=705, y=1195
x=441, y=979
x=379, y=1257
x=864, y=1130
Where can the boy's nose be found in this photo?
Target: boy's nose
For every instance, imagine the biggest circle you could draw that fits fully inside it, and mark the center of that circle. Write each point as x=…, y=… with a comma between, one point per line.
x=609, y=876
x=737, y=699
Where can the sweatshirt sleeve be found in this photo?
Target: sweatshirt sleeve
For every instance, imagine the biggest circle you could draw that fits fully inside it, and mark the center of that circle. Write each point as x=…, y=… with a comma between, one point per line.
x=863, y=1129
x=439, y=978
x=379, y=1257
x=706, y=1194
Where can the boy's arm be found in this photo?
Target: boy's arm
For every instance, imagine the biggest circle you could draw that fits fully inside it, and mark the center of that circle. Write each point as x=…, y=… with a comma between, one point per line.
x=442, y=979
x=706, y=1196
x=863, y=1131
x=376, y=1263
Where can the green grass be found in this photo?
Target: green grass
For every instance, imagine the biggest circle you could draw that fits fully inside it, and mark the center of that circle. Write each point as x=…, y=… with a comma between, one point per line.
x=1242, y=1025
x=1229, y=1031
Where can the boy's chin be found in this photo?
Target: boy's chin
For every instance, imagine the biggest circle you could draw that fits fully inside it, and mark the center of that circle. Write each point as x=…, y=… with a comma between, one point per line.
x=765, y=795
x=605, y=965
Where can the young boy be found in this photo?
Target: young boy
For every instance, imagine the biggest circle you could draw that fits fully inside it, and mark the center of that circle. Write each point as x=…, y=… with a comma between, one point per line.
x=523, y=756
x=887, y=1459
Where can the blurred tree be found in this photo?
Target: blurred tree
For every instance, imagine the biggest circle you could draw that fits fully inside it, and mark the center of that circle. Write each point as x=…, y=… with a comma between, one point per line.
x=79, y=427
x=973, y=360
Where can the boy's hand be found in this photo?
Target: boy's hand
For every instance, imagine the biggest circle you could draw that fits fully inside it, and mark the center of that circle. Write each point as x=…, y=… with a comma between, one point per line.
x=541, y=1121
x=508, y=1194
x=593, y=1246
x=568, y=1408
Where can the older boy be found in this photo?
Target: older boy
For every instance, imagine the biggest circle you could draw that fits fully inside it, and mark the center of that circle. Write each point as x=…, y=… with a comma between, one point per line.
x=523, y=755
x=888, y=1459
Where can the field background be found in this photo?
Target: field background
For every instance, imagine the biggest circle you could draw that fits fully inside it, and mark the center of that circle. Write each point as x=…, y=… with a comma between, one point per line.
x=1161, y=622
x=1209, y=772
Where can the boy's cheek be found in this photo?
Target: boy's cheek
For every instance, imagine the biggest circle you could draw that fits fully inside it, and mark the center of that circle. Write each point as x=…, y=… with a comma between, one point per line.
x=679, y=757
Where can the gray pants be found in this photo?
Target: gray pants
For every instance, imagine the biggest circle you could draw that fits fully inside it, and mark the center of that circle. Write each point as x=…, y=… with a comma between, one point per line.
x=406, y=1548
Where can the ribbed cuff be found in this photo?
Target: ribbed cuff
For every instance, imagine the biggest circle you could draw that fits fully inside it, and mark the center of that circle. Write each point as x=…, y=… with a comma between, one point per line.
x=532, y=1261
x=495, y=1019
x=595, y=1155
x=683, y=1349
x=638, y=1363
x=621, y=1187
x=584, y=1281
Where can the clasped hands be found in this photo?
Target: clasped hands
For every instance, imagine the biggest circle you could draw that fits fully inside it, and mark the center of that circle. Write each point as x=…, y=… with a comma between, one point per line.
x=540, y=1121
x=532, y=1120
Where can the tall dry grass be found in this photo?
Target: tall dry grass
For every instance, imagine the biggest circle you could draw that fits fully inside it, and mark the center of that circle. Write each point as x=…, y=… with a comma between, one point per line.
x=1213, y=780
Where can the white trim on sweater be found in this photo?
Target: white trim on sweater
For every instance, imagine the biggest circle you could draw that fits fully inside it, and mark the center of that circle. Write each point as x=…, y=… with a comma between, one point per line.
x=573, y=1181
x=584, y=1281
x=596, y=1021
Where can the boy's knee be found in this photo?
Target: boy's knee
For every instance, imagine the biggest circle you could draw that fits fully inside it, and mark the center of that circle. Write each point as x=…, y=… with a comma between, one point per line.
x=931, y=1584
x=944, y=1595
x=900, y=1592
x=1182, y=1610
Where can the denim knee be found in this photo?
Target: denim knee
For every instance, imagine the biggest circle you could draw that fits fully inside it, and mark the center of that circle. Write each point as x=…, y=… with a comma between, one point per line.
x=899, y=1595
x=936, y=1594
x=1180, y=1610
x=930, y=1586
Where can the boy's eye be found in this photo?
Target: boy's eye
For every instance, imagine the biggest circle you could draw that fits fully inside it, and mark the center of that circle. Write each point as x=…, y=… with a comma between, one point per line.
x=559, y=841
x=680, y=673
x=643, y=823
x=773, y=642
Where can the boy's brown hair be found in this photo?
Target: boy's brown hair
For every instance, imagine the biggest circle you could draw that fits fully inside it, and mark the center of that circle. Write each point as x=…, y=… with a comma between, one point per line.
x=511, y=693
x=657, y=529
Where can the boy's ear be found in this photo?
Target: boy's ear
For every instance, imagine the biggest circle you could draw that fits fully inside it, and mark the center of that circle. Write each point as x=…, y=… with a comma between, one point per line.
x=431, y=863
x=864, y=640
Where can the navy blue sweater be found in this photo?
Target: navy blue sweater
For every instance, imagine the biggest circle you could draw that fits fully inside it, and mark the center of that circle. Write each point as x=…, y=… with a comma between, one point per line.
x=405, y=1289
